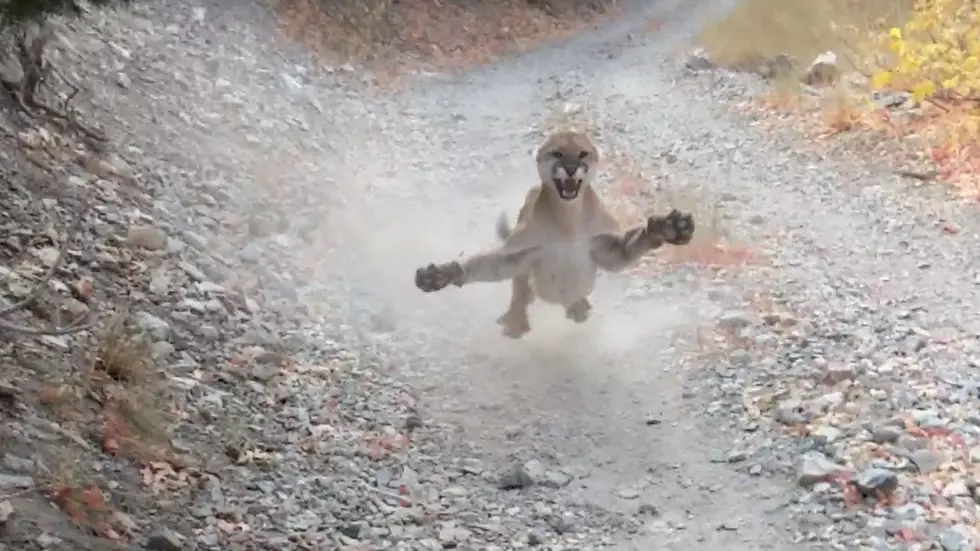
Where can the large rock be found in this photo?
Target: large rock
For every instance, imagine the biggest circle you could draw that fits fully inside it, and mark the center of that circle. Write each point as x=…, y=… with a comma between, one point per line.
x=823, y=71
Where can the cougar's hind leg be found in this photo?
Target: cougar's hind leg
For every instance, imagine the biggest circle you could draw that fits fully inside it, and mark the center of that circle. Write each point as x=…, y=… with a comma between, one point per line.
x=579, y=310
x=515, y=320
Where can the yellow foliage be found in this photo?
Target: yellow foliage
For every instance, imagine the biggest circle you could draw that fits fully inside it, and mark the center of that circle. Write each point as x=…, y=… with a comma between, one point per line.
x=935, y=54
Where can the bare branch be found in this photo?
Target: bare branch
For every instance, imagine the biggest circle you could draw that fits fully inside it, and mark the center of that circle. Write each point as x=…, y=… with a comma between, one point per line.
x=39, y=288
x=76, y=326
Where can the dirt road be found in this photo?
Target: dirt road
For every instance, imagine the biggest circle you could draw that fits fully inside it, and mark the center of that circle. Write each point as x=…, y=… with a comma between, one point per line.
x=638, y=430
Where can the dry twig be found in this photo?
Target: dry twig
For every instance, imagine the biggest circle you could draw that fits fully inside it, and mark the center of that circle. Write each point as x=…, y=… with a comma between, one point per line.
x=76, y=325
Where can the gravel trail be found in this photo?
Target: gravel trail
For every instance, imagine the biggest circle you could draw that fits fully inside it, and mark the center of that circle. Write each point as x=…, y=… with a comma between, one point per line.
x=622, y=433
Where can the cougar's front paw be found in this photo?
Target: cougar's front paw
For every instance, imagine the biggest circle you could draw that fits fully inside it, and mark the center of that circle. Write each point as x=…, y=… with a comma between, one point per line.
x=676, y=228
x=516, y=323
x=579, y=311
x=435, y=277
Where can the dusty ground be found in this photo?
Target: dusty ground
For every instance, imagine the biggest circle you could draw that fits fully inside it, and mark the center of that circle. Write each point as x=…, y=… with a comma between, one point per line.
x=316, y=400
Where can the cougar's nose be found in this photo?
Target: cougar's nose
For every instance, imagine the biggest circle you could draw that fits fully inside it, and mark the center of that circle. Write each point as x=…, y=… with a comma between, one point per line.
x=570, y=169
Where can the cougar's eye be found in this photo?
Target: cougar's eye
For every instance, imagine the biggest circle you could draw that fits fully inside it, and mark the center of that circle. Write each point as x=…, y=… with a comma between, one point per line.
x=583, y=154
x=557, y=154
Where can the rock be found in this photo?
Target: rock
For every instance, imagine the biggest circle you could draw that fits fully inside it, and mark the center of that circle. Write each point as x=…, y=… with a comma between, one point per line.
x=192, y=271
x=886, y=434
x=823, y=71
x=648, y=509
x=734, y=320
x=736, y=456
x=515, y=479
x=125, y=521
x=413, y=422
x=195, y=240
x=890, y=100
x=72, y=310
x=975, y=454
x=470, y=466
x=955, y=538
x=777, y=67
x=209, y=333
x=161, y=350
x=628, y=493
x=6, y=512
x=815, y=467
x=353, y=530
x=450, y=535
x=927, y=460
x=159, y=282
x=555, y=479
x=825, y=435
x=157, y=328
x=164, y=540
x=792, y=412
x=10, y=482
x=956, y=488
x=47, y=255
x=698, y=60
x=454, y=492
x=535, y=469
x=836, y=373
x=24, y=465
x=408, y=479
x=875, y=480
x=47, y=541
x=147, y=237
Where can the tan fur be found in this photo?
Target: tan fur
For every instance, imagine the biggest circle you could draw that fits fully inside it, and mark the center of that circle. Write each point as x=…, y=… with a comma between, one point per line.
x=564, y=234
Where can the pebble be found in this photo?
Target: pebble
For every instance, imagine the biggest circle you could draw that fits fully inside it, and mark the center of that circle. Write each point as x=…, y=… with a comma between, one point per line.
x=515, y=479
x=147, y=237
x=815, y=467
x=875, y=480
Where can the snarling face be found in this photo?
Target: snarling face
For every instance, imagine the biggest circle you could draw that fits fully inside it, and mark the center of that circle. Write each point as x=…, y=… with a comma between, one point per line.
x=567, y=161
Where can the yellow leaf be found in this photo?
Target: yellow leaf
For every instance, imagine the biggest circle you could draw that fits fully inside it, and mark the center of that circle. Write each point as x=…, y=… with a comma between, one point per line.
x=923, y=90
x=972, y=127
x=908, y=64
x=895, y=33
x=951, y=83
x=881, y=79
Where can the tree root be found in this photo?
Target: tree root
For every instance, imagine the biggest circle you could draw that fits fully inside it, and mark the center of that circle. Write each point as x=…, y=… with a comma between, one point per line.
x=75, y=326
x=30, y=44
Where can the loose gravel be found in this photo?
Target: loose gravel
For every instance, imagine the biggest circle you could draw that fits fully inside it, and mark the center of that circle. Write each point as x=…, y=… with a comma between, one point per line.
x=825, y=397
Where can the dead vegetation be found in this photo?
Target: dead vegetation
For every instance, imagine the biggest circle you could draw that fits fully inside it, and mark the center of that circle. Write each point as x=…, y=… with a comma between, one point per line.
x=80, y=323
x=755, y=31
x=412, y=34
x=116, y=406
x=37, y=90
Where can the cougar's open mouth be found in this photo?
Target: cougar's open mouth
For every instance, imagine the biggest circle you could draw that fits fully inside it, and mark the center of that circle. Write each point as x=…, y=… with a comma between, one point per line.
x=567, y=189
x=568, y=180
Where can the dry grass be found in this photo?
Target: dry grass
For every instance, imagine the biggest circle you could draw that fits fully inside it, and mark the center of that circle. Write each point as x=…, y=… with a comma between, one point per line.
x=756, y=30
x=123, y=393
x=417, y=33
x=633, y=197
x=840, y=110
x=125, y=355
x=126, y=380
x=83, y=500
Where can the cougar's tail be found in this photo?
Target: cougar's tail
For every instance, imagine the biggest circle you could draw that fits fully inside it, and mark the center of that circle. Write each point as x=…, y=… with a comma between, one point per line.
x=503, y=227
